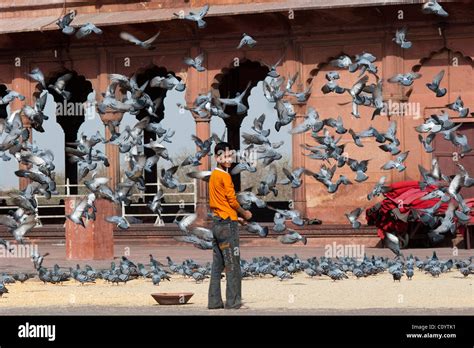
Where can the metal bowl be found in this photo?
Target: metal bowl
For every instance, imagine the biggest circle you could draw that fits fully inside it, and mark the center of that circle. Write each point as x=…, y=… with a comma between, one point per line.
x=172, y=298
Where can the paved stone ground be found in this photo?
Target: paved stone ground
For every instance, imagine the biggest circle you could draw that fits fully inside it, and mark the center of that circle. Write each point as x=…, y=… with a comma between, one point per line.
x=371, y=296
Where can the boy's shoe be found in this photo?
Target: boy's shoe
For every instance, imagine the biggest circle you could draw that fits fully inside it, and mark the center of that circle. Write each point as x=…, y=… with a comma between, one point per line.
x=242, y=306
x=218, y=307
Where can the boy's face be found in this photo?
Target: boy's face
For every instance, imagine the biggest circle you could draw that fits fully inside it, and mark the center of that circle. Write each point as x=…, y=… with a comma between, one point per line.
x=225, y=158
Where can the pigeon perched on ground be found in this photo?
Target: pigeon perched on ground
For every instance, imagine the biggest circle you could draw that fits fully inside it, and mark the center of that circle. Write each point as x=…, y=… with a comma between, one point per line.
x=3, y=289
x=337, y=274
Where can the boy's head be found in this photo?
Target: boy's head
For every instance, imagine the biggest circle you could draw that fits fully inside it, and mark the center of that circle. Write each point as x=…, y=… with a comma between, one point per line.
x=224, y=154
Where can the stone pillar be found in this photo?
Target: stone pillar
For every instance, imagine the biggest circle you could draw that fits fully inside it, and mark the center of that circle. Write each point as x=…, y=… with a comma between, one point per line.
x=298, y=160
x=113, y=155
x=291, y=65
x=111, y=150
x=392, y=64
x=203, y=131
x=20, y=84
x=96, y=240
x=197, y=83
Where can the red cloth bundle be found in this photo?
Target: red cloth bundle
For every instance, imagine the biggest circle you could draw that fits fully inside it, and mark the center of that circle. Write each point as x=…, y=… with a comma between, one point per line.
x=405, y=195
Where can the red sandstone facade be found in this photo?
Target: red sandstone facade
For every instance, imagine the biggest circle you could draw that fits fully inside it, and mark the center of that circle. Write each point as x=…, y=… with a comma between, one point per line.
x=307, y=33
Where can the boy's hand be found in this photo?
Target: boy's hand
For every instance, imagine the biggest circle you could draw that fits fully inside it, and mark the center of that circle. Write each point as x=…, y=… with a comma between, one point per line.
x=241, y=221
x=247, y=215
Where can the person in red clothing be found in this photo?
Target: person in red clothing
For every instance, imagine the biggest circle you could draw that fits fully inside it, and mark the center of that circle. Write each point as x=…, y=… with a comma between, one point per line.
x=226, y=247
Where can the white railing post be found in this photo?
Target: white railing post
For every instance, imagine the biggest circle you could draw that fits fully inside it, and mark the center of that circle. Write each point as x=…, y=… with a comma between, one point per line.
x=68, y=190
x=195, y=196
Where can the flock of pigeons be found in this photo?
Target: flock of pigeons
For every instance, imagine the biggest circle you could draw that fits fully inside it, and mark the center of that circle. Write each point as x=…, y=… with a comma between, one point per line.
x=280, y=268
x=133, y=99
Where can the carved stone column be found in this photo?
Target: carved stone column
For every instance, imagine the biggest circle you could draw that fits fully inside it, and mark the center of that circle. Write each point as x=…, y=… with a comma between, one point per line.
x=203, y=131
x=298, y=160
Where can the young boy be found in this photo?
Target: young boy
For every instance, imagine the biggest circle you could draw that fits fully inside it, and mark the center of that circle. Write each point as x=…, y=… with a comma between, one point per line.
x=226, y=250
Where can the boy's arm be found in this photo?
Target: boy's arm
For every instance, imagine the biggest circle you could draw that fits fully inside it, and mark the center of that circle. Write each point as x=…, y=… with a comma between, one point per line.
x=230, y=193
x=232, y=199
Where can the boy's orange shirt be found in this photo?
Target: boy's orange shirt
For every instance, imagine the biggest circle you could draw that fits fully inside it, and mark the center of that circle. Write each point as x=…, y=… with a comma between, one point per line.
x=222, y=198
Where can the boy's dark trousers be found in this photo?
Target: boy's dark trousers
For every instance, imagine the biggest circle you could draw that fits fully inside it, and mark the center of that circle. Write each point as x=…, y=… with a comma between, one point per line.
x=226, y=253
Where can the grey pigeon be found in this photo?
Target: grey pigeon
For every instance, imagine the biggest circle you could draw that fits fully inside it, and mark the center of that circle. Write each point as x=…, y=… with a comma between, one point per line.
x=3, y=289
x=237, y=100
x=342, y=62
x=279, y=222
x=353, y=216
x=292, y=237
x=434, y=85
x=196, y=62
x=64, y=22
x=59, y=86
x=360, y=167
x=120, y=221
x=37, y=75
x=458, y=105
x=87, y=29
x=196, y=17
x=147, y=44
x=398, y=163
x=272, y=68
x=246, y=40
x=405, y=79
x=433, y=7
x=293, y=178
x=401, y=39
x=256, y=228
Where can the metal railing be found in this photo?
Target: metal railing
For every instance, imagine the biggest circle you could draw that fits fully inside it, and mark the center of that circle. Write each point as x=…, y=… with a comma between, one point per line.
x=124, y=213
x=159, y=221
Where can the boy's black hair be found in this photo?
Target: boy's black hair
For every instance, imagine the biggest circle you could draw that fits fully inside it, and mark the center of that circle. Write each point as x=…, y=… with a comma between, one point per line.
x=220, y=147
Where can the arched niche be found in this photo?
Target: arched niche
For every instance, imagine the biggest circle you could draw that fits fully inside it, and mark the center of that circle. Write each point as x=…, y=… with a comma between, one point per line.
x=68, y=114
x=229, y=81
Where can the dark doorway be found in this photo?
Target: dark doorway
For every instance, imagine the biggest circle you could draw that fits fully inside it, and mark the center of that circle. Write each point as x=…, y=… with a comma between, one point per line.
x=234, y=81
